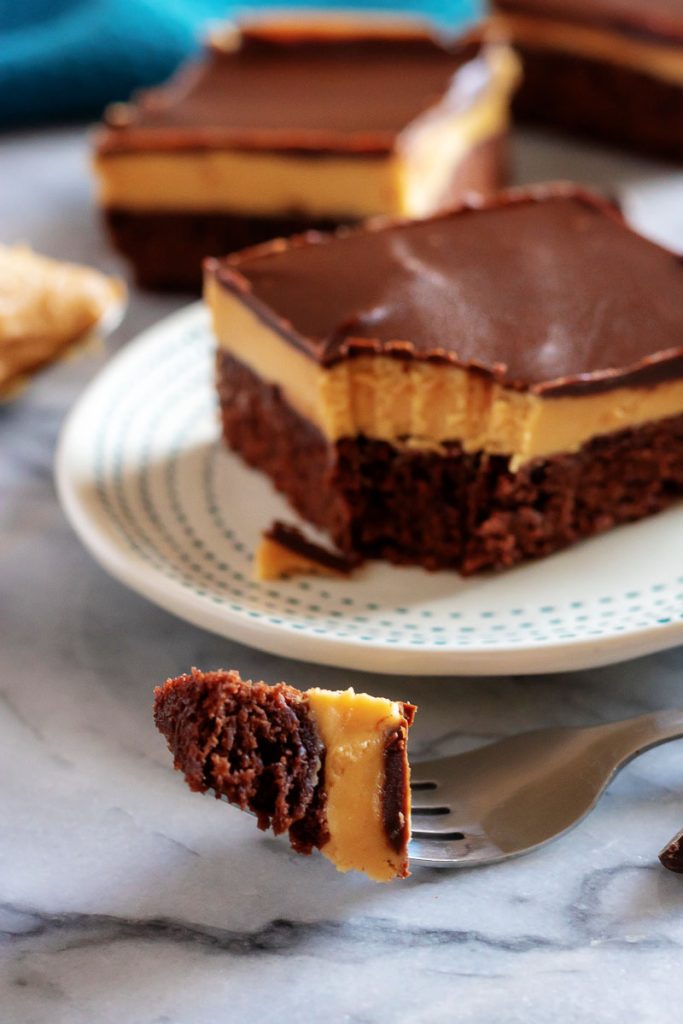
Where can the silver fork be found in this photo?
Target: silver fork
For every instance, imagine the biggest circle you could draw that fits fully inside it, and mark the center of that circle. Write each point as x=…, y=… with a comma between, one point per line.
x=514, y=795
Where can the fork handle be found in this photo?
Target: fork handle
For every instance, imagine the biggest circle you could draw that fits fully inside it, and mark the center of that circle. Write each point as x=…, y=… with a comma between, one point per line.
x=635, y=735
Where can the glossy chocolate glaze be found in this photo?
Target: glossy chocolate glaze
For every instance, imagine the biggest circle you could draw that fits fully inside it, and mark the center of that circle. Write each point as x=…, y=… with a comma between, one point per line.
x=292, y=90
x=661, y=19
x=544, y=289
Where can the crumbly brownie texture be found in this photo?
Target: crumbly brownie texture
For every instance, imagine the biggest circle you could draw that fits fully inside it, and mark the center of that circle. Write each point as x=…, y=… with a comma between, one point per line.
x=253, y=744
x=448, y=509
x=672, y=855
x=166, y=247
x=602, y=101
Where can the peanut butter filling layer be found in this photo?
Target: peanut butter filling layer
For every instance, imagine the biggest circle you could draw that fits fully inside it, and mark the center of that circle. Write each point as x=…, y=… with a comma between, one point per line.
x=409, y=181
x=422, y=404
x=354, y=728
x=660, y=60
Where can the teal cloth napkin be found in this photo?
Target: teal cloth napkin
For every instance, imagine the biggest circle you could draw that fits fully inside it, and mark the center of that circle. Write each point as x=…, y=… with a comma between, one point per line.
x=65, y=59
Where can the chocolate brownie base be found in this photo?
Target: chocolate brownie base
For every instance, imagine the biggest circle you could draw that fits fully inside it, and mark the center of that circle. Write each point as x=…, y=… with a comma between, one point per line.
x=254, y=745
x=456, y=510
x=601, y=100
x=166, y=247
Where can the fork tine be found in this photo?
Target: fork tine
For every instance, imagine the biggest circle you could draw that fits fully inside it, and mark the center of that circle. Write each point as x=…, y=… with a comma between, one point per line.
x=442, y=824
x=429, y=802
x=426, y=796
x=447, y=853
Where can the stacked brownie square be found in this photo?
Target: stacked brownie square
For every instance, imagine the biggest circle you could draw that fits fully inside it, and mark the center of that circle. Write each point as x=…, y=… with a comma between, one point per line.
x=285, y=125
x=467, y=391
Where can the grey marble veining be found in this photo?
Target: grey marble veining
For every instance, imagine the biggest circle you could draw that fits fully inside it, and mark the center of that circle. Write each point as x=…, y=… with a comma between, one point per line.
x=125, y=899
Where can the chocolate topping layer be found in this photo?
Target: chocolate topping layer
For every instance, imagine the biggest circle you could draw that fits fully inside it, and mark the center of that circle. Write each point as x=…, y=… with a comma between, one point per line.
x=282, y=88
x=544, y=289
x=658, y=18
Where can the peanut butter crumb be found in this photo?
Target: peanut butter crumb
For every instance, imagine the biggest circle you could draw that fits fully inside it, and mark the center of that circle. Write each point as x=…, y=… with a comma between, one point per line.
x=46, y=307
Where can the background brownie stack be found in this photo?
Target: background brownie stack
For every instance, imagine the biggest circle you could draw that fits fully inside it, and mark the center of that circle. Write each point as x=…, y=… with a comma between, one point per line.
x=464, y=391
x=289, y=125
x=609, y=69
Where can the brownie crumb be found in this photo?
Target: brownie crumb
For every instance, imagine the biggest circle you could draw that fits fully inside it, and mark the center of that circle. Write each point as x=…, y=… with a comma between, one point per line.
x=304, y=554
x=672, y=854
x=252, y=744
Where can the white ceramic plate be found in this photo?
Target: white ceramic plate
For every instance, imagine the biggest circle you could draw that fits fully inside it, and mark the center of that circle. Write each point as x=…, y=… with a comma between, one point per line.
x=164, y=507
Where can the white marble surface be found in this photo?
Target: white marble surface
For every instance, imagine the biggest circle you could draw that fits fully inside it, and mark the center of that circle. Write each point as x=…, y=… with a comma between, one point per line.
x=125, y=899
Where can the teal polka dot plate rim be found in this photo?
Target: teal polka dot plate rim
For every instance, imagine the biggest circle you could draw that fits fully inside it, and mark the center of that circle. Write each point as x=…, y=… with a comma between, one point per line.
x=159, y=502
